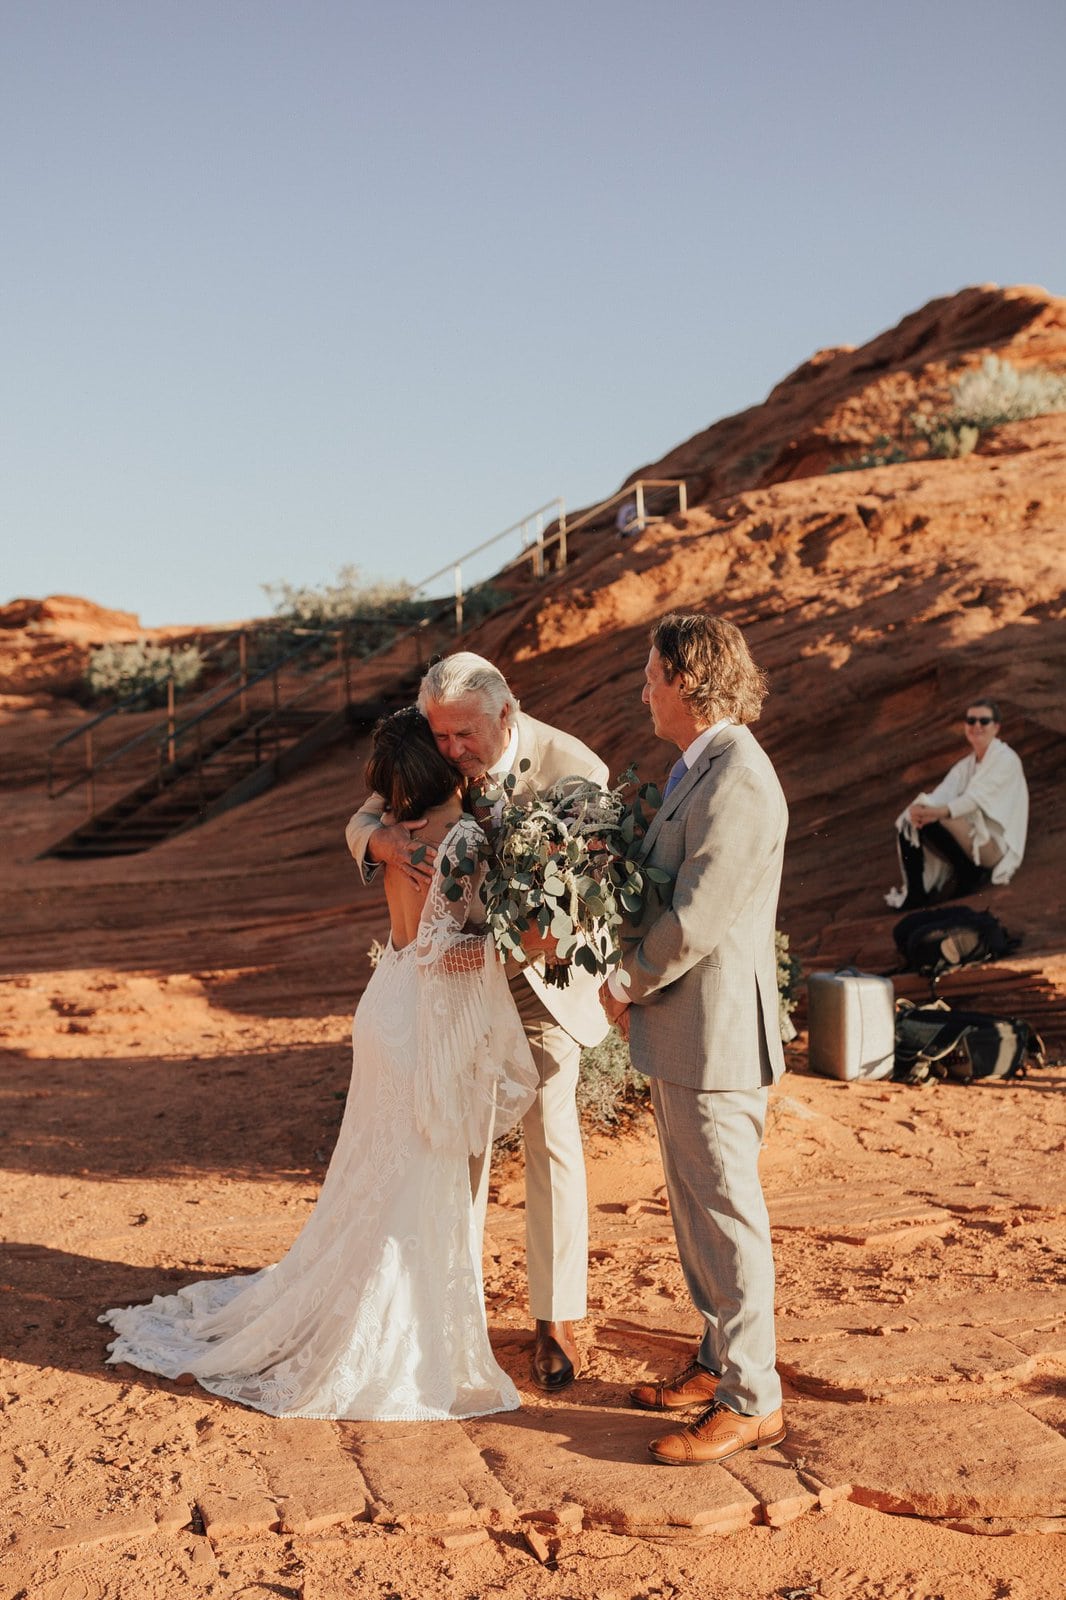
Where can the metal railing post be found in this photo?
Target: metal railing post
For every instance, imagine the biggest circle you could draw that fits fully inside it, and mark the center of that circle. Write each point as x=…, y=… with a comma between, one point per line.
x=242, y=658
x=682, y=497
x=458, y=598
x=170, y=718
x=562, y=541
x=640, y=504
x=344, y=693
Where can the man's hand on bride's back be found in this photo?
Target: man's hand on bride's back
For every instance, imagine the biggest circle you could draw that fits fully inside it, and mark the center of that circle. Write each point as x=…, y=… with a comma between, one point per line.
x=396, y=844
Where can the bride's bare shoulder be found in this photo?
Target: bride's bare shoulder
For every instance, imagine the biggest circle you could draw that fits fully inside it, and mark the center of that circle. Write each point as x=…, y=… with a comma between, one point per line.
x=440, y=820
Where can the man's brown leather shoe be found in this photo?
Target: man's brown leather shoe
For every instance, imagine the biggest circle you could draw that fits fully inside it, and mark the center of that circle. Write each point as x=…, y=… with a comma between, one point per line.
x=555, y=1360
x=693, y=1387
x=716, y=1435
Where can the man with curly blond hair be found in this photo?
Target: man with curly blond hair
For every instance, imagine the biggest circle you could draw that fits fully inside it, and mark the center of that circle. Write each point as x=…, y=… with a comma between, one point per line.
x=697, y=993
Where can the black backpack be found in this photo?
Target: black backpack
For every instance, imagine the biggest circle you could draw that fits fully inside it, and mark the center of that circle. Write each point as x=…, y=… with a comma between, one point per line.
x=940, y=938
x=933, y=1041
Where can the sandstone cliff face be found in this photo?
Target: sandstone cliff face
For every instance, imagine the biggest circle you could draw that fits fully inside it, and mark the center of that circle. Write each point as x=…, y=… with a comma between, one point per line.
x=835, y=404
x=879, y=601
x=45, y=644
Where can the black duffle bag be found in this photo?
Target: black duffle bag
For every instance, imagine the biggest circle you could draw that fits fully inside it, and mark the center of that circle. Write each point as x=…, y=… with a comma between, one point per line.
x=939, y=939
x=935, y=1041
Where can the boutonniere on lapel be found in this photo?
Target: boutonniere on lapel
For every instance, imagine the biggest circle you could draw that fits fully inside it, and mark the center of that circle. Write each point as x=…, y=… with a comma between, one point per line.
x=561, y=870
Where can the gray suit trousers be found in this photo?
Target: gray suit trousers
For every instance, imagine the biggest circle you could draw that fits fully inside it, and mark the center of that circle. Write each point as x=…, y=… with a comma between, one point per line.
x=710, y=1148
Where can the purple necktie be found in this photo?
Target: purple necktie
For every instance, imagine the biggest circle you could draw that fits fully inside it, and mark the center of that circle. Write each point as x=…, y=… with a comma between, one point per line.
x=677, y=772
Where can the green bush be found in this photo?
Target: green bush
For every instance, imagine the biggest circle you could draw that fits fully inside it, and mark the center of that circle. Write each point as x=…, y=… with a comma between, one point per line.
x=370, y=614
x=991, y=394
x=137, y=673
x=347, y=598
x=945, y=438
x=609, y=1087
x=788, y=975
x=996, y=392
x=884, y=452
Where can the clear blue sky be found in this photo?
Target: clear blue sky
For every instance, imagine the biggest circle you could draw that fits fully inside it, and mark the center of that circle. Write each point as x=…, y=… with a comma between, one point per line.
x=292, y=285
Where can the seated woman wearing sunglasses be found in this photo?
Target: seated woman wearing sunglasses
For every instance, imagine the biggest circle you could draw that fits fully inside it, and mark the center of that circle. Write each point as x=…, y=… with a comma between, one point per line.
x=970, y=830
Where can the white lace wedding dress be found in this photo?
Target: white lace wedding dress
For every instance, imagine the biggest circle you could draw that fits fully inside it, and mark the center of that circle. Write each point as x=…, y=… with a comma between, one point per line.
x=377, y=1311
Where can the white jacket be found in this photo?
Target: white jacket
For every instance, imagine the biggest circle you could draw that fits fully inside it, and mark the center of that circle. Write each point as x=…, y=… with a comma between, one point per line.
x=993, y=796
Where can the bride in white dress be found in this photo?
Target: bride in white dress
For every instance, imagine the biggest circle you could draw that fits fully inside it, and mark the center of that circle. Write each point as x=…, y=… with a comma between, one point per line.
x=377, y=1311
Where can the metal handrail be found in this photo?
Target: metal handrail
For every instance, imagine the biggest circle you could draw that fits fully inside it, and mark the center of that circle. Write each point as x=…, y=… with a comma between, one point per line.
x=181, y=728
x=169, y=736
x=170, y=733
x=535, y=551
x=131, y=700
x=486, y=544
x=635, y=491
x=85, y=730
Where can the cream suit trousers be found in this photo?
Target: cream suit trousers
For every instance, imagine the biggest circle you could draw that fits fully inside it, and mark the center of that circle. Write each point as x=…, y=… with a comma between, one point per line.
x=710, y=1148
x=557, y=1213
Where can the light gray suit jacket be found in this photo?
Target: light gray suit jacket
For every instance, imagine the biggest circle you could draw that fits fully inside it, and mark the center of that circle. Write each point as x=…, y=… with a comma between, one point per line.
x=552, y=755
x=701, y=964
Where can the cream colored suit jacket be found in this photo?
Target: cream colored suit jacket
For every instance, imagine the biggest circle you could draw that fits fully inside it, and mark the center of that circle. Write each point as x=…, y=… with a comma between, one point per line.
x=701, y=965
x=552, y=755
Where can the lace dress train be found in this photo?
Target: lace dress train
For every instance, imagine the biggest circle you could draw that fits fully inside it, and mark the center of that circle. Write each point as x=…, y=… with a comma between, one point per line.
x=377, y=1311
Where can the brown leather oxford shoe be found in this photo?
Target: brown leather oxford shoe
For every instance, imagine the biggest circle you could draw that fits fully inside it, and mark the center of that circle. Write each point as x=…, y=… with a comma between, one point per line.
x=716, y=1435
x=555, y=1360
x=695, y=1386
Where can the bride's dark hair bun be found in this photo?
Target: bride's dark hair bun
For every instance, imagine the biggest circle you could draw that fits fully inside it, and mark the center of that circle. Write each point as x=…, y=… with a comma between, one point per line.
x=406, y=768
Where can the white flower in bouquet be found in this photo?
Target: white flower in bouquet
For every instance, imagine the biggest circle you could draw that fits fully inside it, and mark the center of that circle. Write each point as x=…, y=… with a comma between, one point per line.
x=561, y=870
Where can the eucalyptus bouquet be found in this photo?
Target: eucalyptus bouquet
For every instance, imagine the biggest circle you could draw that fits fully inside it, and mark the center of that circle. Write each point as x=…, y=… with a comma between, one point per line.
x=562, y=864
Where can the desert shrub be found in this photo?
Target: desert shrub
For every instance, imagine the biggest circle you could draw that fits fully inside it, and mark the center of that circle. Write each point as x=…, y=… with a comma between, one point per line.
x=348, y=597
x=945, y=438
x=788, y=975
x=609, y=1087
x=136, y=674
x=369, y=613
x=884, y=452
x=991, y=394
x=996, y=392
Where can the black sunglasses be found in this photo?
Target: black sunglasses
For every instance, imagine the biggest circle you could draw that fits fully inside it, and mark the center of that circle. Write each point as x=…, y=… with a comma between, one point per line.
x=984, y=721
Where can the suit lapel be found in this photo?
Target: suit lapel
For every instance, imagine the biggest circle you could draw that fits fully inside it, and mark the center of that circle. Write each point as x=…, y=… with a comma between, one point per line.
x=528, y=750
x=681, y=791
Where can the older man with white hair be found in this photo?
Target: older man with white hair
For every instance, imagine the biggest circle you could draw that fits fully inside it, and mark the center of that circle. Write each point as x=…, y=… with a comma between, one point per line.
x=479, y=726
